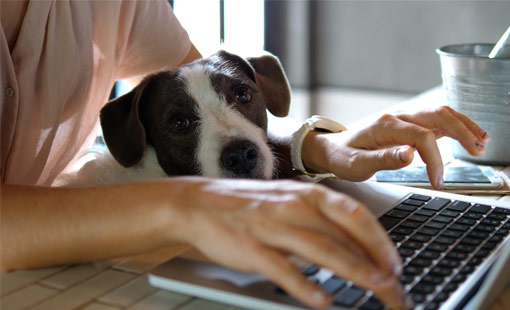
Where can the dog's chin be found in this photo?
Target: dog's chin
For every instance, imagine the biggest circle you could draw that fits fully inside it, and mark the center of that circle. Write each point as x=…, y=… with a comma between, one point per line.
x=262, y=172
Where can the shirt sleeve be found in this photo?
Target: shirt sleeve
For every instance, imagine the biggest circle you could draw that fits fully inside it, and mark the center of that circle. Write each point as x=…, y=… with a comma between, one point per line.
x=151, y=39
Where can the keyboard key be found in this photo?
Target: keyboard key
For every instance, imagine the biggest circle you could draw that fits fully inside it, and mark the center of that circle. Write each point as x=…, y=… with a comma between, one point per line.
x=456, y=255
x=412, y=270
x=442, y=296
x=420, y=197
x=448, y=263
x=428, y=231
x=432, y=306
x=388, y=222
x=482, y=253
x=404, y=207
x=489, y=245
x=459, y=278
x=464, y=248
x=445, y=240
x=475, y=261
x=438, y=247
x=406, y=252
x=412, y=244
x=420, y=238
x=418, y=298
x=478, y=234
x=496, y=238
x=311, y=270
x=423, y=288
x=466, y=270
x=497, y=216
x=396, y=237
x=486, y=228
x=472, y=215
x=425, y=212
x=413, y=202
x=502, y=232
x=349, y=297
x=436, y=204
x=418, y=218
x=429, y=254
x=442, y=219
x=433, y=280
x=441, y=271
x=406, y=278
x=452, y=233
x=458, y=206
x=403, y=230
x=502, y=210
x=490, y=221
x=420, y=262
x=465, y=221
x=435, y=225
x=450, y=287
x=333, y=285
x=372, y=304
x=398, y=214
x=479, y=208
x=411, y=224
x=471, y=241
x=460, y=227
x=450, y=213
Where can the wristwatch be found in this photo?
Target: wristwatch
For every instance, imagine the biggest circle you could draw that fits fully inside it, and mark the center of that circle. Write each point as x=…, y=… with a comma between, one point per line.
x=312, y=123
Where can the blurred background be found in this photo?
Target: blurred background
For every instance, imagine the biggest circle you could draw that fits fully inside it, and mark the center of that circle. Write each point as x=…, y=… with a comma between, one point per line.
x=345, y=59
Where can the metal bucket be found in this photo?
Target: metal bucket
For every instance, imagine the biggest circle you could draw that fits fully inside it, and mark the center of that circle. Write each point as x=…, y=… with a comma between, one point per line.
x=479, y=87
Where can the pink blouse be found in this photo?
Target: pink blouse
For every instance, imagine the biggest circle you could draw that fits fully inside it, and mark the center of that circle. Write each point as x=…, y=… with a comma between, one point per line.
x=60, y=72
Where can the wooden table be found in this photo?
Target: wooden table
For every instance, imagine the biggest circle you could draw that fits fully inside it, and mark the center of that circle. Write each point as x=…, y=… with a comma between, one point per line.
x=122, y=283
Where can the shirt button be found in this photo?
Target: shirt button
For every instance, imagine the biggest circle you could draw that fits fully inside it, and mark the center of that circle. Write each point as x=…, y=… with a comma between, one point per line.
x=9, y=92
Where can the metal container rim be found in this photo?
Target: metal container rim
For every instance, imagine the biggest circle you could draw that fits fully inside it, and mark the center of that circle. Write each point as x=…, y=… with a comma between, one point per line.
x=442, y=52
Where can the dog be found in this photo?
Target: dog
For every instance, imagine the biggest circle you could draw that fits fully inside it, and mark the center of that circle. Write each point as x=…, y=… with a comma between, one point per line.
x=205, y=118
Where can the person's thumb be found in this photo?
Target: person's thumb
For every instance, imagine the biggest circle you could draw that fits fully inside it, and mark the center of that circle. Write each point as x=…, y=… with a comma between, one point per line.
x=390, y=158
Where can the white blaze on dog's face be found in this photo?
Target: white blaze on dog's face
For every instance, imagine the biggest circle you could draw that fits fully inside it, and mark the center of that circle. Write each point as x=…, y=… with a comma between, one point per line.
x=207, y=117
x=232, y=130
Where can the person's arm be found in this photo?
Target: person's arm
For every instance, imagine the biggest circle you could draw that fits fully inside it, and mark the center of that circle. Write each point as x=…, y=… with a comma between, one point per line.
x=247, y=225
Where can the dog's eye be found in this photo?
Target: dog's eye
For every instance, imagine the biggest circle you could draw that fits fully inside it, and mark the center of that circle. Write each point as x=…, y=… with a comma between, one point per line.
x=179, y=123
x=242, y=94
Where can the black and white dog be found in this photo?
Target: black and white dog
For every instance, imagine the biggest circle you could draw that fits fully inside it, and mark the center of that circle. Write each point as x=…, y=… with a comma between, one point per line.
x=204, y=118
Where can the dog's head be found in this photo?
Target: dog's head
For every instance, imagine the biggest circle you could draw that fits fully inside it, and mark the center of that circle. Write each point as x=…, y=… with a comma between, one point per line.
x=207, y=117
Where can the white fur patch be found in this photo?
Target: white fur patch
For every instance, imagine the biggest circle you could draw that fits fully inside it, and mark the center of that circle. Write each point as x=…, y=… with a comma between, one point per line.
x=220, y=124
x=100, y=168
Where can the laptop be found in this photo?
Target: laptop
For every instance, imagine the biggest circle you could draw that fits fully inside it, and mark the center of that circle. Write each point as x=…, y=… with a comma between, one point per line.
x=456, y=253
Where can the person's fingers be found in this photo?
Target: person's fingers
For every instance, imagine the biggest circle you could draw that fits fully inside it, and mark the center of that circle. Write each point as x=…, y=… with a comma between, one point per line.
x=391, y=130
x=325, y=251
x=279, y=270
x=357, y=221
x=371, y=161
x=452, y=124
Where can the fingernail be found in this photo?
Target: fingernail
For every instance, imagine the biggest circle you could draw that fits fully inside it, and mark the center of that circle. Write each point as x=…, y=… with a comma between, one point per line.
x=439, y=182
x=482, y=133
x=319, y=296
x=407, y=302
x=479, y=145
x=397, y=269
x=403, y=154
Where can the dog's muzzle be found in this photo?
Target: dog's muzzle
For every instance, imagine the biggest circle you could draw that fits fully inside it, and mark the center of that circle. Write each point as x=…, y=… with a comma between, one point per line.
x=240, y=158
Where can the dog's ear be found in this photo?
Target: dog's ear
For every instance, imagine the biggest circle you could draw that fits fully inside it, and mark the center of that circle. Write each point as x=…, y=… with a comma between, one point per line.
x=273, y=83
x=123, y=130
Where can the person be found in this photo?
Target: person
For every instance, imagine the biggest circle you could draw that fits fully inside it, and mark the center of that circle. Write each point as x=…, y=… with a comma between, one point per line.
x=59, y=62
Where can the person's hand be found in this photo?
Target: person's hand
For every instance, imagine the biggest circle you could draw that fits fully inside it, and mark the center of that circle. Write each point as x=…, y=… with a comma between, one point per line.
x=255, y=226
x=389, y=143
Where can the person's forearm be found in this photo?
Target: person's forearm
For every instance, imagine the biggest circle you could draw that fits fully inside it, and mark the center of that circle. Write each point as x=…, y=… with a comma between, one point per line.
x=49, y=226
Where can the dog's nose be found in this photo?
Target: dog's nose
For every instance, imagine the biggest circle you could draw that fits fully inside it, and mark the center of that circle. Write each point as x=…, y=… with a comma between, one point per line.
x=239, y=157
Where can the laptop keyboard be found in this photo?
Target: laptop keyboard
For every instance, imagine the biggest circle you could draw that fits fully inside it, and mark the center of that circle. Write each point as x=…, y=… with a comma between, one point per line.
x=441, y=242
